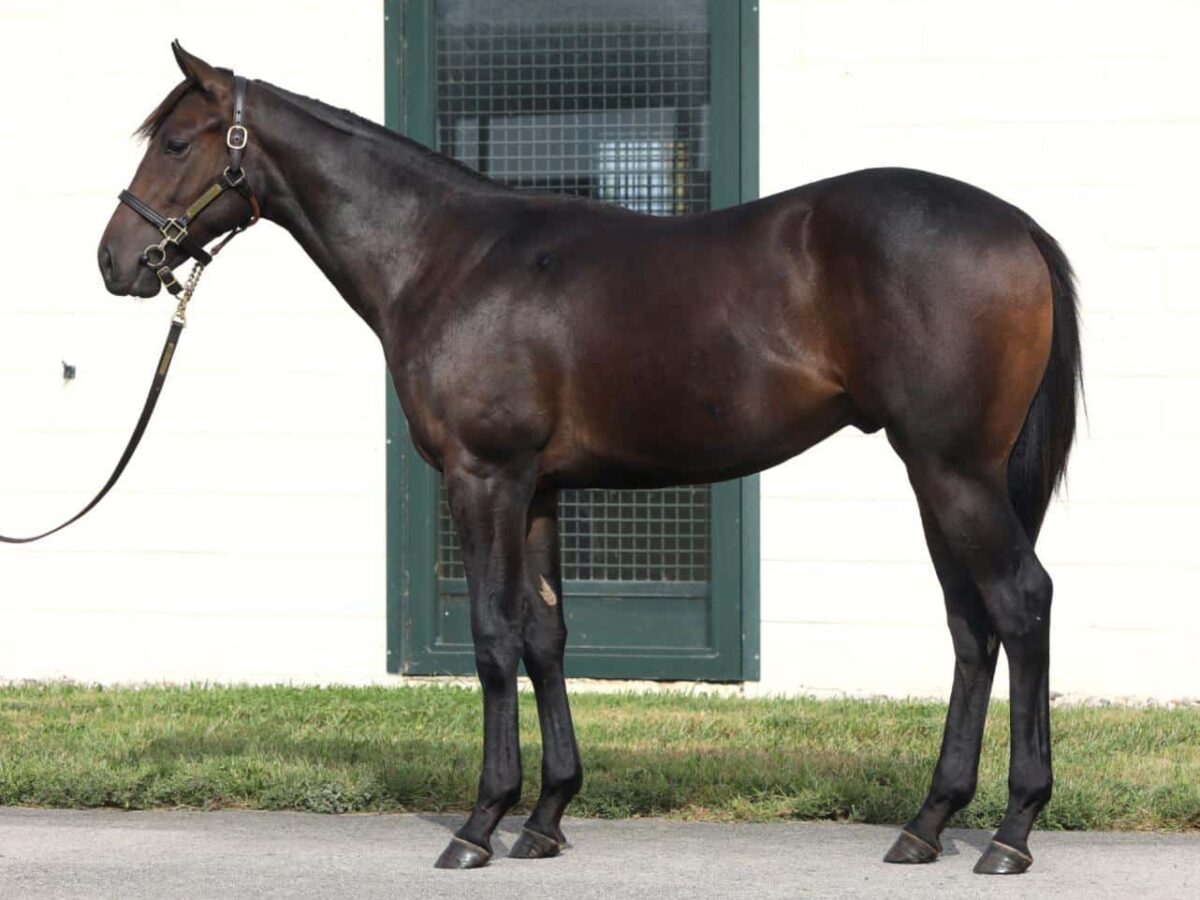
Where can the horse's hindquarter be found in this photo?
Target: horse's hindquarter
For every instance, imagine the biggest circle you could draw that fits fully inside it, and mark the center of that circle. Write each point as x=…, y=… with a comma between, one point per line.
x=694, y=349
x=937, y=307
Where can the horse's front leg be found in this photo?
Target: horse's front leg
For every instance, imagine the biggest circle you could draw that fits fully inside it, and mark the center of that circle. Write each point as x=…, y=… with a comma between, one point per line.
x=545, y=637
x=489, y=504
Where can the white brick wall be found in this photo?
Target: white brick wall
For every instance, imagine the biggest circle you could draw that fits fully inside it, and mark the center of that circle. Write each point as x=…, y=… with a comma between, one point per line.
x=247, y=540
x=1085, y=114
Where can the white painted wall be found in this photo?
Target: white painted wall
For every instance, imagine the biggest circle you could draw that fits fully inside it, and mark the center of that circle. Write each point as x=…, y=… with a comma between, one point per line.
x=247, y=540
x=1085, y=114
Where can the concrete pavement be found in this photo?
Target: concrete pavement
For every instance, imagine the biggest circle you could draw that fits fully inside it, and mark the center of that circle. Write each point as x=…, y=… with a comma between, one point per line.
x=179, y=855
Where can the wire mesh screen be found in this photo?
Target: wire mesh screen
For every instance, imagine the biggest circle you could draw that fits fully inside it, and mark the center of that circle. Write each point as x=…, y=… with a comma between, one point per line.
x=618, y=536
x=606, y=99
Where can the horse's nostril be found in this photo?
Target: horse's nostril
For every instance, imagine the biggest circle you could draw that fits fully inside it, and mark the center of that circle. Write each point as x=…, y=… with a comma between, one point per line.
x=106, y=263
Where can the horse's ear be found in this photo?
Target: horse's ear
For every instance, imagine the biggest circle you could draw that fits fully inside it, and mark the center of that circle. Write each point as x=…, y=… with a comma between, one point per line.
x=196, y=70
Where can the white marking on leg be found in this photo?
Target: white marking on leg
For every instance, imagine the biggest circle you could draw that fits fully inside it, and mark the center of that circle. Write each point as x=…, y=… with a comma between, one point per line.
x=547, y=592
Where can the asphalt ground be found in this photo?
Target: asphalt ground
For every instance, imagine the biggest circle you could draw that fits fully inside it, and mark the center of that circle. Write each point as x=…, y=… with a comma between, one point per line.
x=177, y=854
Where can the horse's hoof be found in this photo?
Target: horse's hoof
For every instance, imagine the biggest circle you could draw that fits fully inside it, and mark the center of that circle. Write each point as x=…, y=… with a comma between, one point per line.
x=460, y=854
x=1001, y=859
x=911, y=849
x=534, y=845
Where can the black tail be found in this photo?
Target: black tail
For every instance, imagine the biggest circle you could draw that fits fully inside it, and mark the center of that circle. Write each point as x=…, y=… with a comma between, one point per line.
x=1039, y=458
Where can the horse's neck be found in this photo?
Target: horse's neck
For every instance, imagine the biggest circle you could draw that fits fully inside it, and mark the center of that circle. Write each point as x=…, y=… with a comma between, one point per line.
x=362, y=203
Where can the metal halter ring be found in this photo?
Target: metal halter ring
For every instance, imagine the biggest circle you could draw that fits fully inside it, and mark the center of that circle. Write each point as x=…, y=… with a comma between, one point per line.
x=231, y=180
x=237, y=137
x=151, y=261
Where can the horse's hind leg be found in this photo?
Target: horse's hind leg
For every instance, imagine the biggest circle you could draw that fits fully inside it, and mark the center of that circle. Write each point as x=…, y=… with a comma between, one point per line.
x=975, y=652
x=973, y=510
x=544, y=635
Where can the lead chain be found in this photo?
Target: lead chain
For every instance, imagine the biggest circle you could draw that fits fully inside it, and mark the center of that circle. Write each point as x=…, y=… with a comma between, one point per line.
x=186, y=295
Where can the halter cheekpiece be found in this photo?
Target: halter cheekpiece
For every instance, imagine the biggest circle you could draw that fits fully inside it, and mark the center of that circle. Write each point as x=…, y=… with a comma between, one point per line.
x=175, y=230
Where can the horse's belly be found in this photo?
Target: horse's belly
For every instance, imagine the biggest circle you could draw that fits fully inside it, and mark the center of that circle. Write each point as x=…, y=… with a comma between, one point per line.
x=693, y=434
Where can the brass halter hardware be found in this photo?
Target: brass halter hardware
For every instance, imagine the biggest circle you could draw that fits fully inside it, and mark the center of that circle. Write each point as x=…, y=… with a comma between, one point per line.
x=174, y=230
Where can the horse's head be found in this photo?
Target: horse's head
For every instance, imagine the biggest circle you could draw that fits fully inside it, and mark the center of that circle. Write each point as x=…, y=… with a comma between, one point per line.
x=193, y=146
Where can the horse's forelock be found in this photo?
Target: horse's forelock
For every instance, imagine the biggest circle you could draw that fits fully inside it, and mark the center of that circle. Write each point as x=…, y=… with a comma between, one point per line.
x=149, y=128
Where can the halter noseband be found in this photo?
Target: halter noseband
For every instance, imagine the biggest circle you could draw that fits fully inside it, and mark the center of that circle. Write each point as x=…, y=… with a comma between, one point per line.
x=175, y=230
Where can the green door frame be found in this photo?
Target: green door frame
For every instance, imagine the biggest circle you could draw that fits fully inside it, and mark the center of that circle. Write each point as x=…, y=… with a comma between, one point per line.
x=412, y=648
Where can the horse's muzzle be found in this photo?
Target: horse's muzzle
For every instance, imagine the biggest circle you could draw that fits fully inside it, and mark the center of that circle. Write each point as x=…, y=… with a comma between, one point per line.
x=121, y=284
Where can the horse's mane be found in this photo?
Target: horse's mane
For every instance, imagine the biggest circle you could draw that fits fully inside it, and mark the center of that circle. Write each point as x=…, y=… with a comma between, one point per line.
x=341, y=119
x=355, y=125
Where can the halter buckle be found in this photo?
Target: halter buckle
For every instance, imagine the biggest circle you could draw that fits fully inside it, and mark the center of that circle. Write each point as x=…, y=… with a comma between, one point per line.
x=173, y=232
x=168, y=279
x=237, y=137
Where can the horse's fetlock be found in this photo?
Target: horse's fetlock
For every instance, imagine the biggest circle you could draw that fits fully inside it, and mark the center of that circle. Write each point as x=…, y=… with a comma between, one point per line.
x=504, y=795
x=564, y=782
x=956, y=796
x=1032, y=792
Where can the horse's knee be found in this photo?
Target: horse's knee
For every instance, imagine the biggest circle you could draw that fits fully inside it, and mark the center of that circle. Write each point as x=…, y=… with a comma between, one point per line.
x=543, y=650
x=496, y=656
x=544, y=637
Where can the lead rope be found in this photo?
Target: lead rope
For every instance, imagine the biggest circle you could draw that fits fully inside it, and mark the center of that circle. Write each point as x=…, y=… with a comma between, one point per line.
x=178, y=321
x=174, y=232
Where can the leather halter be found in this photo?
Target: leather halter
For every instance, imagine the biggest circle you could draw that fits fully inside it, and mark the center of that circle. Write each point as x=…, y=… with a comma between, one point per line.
x=174, y=231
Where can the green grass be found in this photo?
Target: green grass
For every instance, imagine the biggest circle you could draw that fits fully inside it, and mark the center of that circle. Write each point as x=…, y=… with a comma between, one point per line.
x=418, y=749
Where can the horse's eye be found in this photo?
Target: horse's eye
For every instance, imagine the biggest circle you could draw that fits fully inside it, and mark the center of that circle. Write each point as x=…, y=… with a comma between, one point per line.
x=176, y=146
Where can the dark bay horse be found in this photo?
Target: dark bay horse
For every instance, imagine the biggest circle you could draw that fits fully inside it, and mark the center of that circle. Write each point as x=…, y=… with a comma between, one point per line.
x=542, y=342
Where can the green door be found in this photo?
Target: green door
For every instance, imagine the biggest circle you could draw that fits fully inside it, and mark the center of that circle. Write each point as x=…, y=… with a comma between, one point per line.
x=652, y=106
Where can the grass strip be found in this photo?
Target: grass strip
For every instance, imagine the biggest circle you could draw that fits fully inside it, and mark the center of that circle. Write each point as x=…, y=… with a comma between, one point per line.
x=418, y=749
